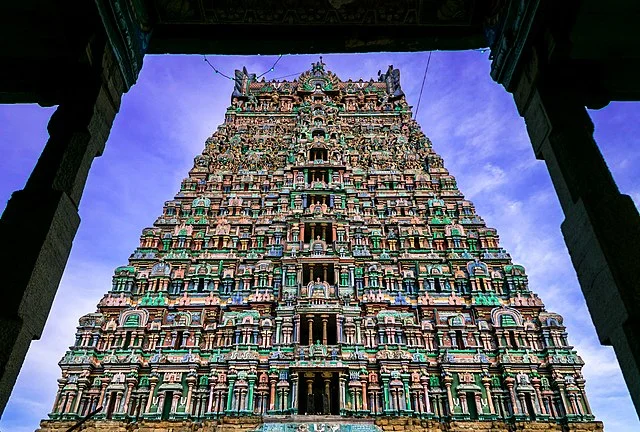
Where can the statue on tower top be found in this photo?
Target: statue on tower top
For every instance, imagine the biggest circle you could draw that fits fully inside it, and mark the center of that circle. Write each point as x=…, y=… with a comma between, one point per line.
x=242, y=81
x=317, y=68
x=392, y=79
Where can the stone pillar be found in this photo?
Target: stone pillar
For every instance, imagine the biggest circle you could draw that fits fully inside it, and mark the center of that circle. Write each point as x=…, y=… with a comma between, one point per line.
x=395, y=398
x=295, y=378
x=230, y=390
x=174, y=403
x=103, y=390
x=486, y=382
x=161, y=398
x=272, y=395
x=309, y=376
x=509, y=382
x=563, y=397
x=70, y=399
x=523, y=404
x=298, y=329
x=536, y=386
x=212, y=406
x=327, y=387
x=448, y=380
x=310, y=321
x=574, y=404
x=220, y=402
x=325, y=319
x=596, y=213
x=252, y=383
x=352, y=280
x=343, y=392
x=235, y=402
x=427, y=402
x=210, y=403
x=41, y=220
x=153, y=381
x=125, y=403
x=407, y=394
x=580, y=383
x=363, y=381
x=386, y=395
x=61, y=384
x=463, y=402
x=242, y=404
x=76, y=408
x=358, y=331
x=437, y=405
x=191, y=381
x=118, y=401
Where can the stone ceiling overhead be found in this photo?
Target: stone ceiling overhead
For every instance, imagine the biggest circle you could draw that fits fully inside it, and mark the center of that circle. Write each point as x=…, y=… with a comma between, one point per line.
x=458, y=24
x=357, y=12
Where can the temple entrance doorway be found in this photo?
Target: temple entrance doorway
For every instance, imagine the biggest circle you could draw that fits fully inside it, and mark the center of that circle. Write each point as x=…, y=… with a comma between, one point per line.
x=318, y=393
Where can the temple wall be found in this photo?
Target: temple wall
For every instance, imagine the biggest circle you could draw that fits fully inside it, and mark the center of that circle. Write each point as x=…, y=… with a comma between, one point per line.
x=386, y=424
x=404, y=424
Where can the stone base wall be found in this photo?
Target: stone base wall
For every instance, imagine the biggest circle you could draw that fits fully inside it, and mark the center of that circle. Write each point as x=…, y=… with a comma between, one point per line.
x=245, y=424
x=416, y=425
x=226, y=425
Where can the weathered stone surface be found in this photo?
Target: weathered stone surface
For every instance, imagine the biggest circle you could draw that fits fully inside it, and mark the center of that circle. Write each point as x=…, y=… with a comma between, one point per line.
x=228, y=425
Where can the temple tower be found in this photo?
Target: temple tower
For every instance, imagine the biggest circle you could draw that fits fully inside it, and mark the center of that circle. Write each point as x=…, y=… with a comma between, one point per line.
x=320, y=260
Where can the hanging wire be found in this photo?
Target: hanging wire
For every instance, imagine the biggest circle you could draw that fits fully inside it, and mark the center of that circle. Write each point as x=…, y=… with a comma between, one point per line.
x=422, y=86
x=234, y=79
x=270, y=69
x=290, y=75
x=216, y=70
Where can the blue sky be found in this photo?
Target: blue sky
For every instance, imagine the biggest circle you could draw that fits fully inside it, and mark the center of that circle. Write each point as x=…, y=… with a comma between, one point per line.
x=178, y=102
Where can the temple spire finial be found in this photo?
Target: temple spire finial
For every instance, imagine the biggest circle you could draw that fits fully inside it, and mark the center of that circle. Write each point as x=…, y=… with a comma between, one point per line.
x=318, y=68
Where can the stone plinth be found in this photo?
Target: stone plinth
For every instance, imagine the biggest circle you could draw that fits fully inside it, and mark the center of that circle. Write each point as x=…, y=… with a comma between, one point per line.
x=319, y=425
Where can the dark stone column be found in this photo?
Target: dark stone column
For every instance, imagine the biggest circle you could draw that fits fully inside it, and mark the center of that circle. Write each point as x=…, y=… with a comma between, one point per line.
x=602, y=226
x=40, y=221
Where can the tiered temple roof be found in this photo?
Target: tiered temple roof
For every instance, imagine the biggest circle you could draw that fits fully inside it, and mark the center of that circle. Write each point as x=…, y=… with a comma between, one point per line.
x=319, y=259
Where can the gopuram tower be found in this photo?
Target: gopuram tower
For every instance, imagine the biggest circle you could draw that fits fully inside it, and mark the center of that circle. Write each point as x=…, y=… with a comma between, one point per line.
x=319, y=262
